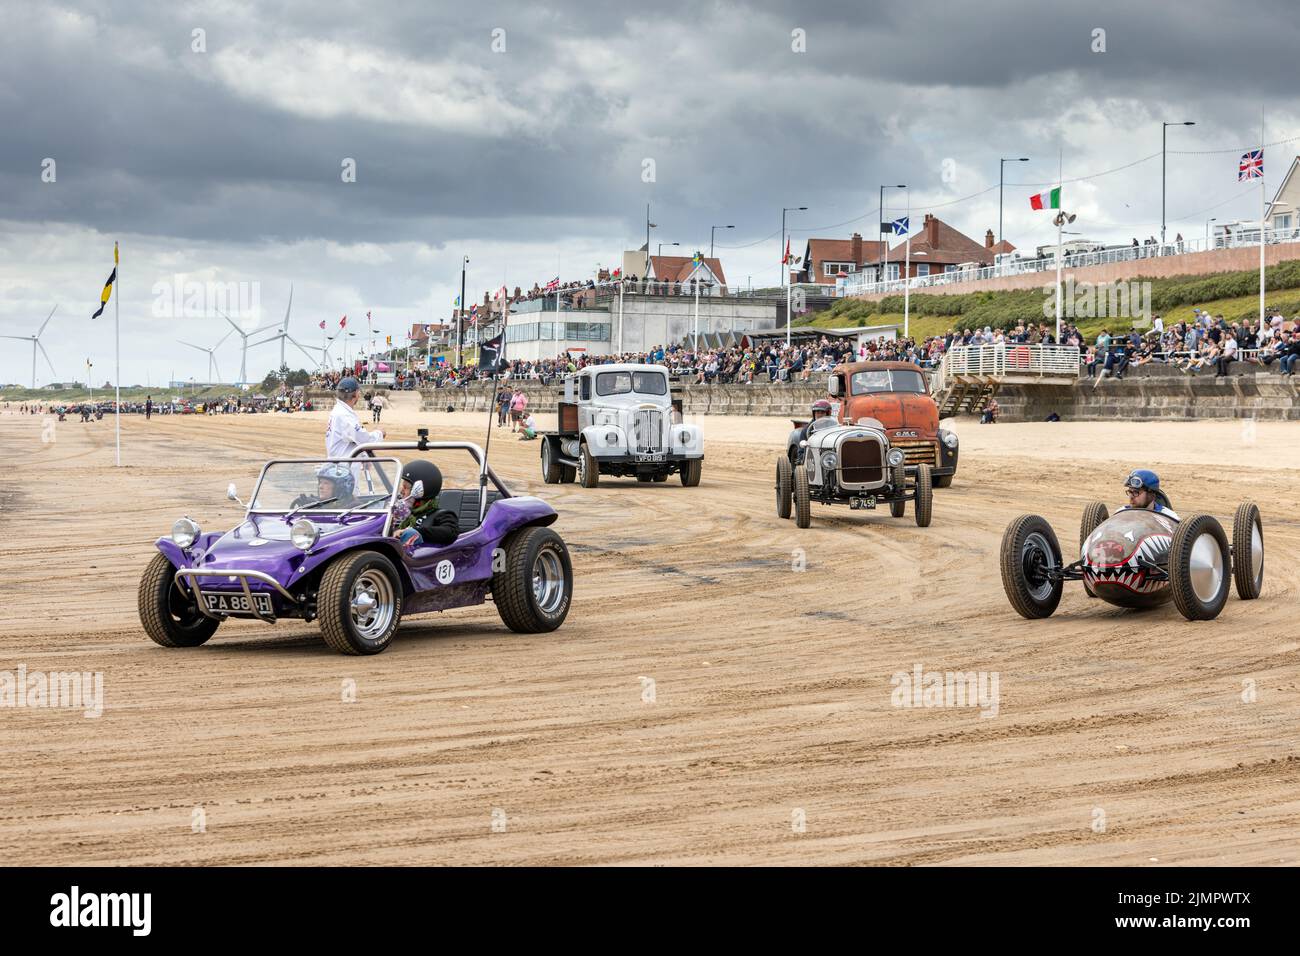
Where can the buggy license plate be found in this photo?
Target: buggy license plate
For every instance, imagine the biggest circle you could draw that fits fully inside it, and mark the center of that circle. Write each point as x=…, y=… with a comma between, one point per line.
x=237, y=603
x=856, y=503
x=658, y=457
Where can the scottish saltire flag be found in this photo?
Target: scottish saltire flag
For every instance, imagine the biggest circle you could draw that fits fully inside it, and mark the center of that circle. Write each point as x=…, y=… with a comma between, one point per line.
x=108, y=286
x=899, y=226
x=1251, y=166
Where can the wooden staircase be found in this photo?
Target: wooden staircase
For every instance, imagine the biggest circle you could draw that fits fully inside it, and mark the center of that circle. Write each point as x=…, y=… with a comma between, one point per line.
x=964, y=398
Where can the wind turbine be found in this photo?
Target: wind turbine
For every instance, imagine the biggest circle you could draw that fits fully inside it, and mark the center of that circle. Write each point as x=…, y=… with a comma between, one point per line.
x=283, y=335
x=212, y=357
x=36, y=344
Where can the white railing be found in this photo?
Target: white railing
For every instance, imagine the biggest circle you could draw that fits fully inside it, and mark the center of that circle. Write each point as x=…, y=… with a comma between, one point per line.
x=858, y=284
x=1000, y=361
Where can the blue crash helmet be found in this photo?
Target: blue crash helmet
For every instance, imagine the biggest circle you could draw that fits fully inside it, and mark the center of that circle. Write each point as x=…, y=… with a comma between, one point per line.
x=1143, y=478
x=340, y=475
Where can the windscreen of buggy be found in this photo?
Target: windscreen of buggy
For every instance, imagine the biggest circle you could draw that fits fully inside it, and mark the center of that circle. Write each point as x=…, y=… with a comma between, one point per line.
x=620, y=383
x=365, y=486
x=885, y=380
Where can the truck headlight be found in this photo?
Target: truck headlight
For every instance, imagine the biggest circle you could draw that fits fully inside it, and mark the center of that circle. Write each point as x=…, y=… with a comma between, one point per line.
x=895, y=457
x=304, y=534
x=611, y=438
x=685, y=438
x=950, y=439
x=829, y=460
x=185, y=532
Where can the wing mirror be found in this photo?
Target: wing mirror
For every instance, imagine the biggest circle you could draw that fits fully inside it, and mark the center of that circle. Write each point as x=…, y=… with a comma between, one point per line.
x=833, y=386
x=232, y=493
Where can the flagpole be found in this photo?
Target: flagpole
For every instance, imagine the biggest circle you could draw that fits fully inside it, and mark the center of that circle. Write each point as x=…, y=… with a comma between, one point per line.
x=620, y=315
x=492, y=406
x=1261, y=219
x=907, y=269
x=117, y=354
x=1060, y=224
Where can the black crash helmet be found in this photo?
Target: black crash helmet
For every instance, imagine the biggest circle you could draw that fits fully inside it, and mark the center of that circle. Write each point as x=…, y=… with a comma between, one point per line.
x=427, y=472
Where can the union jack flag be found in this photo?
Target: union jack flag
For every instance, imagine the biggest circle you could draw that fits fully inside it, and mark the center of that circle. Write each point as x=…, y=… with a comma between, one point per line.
x=1252, y=165
x=553, y=284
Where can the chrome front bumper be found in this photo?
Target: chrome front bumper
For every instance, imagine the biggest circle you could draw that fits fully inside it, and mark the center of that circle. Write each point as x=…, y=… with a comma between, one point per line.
x=240, y=575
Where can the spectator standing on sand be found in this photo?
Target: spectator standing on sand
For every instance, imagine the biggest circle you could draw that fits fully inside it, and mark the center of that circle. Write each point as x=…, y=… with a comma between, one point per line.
x=377, y=404
x=148, y=408
x=344, y=432
x=503, y=406
x=518, y=402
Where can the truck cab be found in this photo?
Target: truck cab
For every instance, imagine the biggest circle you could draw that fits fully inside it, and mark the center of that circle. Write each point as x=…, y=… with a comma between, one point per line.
x=624, y=421
x=897, y=395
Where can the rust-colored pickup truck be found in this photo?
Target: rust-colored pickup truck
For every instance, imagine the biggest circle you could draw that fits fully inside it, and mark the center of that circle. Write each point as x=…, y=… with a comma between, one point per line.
x=897, y=395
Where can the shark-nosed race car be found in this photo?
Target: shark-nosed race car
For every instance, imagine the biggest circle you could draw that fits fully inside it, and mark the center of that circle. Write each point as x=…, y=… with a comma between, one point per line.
x=1137, y=558
x=342, y=565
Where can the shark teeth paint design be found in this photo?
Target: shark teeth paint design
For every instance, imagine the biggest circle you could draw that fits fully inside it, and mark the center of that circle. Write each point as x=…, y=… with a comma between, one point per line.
x=1130, y=573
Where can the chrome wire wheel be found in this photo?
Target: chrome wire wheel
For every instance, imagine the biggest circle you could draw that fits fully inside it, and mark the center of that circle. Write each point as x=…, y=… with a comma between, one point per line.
x=548, y=580
x=371, y=604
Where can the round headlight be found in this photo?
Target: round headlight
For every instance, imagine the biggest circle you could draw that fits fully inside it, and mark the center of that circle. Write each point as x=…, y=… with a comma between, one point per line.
x=185, y=532
x=828, y=460
x=304, y=534
x=950, y=439
x=611, y=438
x=686, y=438
x=895, y=457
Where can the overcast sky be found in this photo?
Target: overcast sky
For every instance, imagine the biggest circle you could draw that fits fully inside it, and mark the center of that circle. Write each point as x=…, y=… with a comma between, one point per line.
x=518, y=133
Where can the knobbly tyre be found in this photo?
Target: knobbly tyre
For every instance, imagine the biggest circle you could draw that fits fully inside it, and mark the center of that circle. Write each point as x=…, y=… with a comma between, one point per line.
x=343, y=567
x=849, y=464
x=1136, y=558
x=621, y=421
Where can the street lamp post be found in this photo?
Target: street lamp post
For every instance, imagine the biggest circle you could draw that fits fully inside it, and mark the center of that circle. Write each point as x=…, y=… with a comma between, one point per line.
x=1207, y=231
x=1164, y=136
x=712, y=229
x=660, y=252
x=464, y=261
x=785, y=268
x=1002, y=163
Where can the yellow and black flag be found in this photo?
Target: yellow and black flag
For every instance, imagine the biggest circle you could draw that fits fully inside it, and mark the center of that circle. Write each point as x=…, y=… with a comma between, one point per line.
x=108, y=286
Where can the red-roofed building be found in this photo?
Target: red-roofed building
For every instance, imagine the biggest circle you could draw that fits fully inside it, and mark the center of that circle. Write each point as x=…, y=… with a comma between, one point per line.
x=682, y=269
x=938, y=247
x=825, y=259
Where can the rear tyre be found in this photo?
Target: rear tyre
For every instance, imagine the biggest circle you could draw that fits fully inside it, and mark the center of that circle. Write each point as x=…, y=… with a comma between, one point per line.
x=534, y=588
x=898, y=478
x=691, y=472
x=588, y=470
x=360, y=603
x=1248, y=551
x=551, y=469
x=568, y=474
x=924, y=496
x=784, y=487
x=1029, y=554
x=1093, y=515
x=942, y=481
x=802, y=498
x=170, y=618
x=1200, y=568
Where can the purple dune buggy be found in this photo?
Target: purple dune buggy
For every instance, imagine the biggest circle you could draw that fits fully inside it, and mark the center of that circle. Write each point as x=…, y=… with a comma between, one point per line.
x=338, y=561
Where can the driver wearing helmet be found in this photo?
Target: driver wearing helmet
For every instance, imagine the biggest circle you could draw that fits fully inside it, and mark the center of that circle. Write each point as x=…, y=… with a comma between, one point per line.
x=334, y=484
x=426, y=523
x=1143, y=489
x=820, y=409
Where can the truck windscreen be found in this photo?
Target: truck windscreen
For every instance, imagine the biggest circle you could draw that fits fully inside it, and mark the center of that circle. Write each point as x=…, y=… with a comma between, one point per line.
x=885, y=380
x=620, y=383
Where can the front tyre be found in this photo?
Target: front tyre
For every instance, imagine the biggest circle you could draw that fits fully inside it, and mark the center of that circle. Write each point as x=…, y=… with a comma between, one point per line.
x=784, y=486
x=588, y=470
x=1248, y=551
x=170, y=618
x=802, y=498
x=1029, y=557
x=691, y=470
x=1093, y=516
x=360, y=603
x=1199, y=568
x=924, y=496
x=898, y=478
x=534, y=588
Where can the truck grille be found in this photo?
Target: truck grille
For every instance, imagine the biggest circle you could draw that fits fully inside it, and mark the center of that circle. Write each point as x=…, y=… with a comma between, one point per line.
x=647, y=431
x=917, y=452
x=861, y=462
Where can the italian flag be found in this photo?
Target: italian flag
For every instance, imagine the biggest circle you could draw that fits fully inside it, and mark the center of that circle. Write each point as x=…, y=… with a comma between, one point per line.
x=1047, y=200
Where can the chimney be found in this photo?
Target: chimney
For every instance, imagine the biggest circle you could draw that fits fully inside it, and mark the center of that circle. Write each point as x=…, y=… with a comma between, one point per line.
x=988, y=239
x=855, y=248
x=932, y=231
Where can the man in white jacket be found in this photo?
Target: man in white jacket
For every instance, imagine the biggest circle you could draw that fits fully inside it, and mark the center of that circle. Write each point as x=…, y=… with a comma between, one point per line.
x=344, y=432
